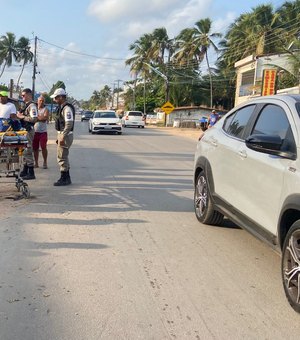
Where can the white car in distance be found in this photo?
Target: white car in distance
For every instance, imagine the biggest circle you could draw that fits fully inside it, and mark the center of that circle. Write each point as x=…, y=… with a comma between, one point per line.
x=105, y=121
x=133, y=118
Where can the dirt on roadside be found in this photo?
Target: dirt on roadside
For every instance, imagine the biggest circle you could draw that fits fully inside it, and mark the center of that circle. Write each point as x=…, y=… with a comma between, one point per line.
x=184, y=132
x=10, y=198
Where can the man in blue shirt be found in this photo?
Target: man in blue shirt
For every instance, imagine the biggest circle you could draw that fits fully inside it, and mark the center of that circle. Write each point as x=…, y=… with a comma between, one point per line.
x=213, y=118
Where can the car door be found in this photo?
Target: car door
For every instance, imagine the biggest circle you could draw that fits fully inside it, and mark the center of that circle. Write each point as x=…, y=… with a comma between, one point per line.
x=261, y=176
x=223, y=156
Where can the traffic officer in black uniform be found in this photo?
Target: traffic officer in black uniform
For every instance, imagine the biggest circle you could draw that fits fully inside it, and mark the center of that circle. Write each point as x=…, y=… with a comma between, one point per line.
x=28, y=117
x=64, y=124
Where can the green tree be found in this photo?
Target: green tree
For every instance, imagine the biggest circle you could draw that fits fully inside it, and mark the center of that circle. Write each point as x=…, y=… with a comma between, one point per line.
x=194, y=44
x=142, y=49
x=105, y=96
x=24, y=54
x=57, y=85
x=8, y=50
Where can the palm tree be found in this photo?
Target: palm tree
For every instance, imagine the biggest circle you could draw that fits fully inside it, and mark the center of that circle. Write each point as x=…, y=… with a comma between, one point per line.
x=24, y=54
x=8, y=50
x=255, y=33
x=160, y=44
x=194, y=44
x=142, y=49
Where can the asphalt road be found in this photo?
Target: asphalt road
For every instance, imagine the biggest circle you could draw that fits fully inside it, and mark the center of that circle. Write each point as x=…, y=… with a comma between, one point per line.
x=120, y=255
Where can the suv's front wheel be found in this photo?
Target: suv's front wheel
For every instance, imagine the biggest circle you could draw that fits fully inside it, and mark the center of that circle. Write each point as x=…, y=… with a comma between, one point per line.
x=204, y=208
x=290, y=266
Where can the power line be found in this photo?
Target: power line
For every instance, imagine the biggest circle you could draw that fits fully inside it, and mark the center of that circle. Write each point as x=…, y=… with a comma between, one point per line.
x=80, y=53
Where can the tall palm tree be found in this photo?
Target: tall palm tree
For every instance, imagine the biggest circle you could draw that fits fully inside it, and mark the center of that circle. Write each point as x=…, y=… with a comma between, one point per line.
x=195, y=43
x=205, y=38
x=24, y=54
x=142, y=57
x=160, y=45
x=8, y=50
x=142, y=49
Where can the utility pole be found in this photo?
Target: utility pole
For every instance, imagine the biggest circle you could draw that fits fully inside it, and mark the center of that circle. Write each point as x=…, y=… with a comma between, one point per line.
x=118, y=82
x=34, y=67
x=166, y=79
x=144, y=95
x=113, y=96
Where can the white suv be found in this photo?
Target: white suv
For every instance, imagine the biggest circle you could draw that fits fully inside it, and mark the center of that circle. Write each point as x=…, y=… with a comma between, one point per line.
x=247, y=167
x=133, y=118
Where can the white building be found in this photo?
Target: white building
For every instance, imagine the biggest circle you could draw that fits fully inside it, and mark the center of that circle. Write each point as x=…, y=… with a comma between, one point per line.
x=250, y=75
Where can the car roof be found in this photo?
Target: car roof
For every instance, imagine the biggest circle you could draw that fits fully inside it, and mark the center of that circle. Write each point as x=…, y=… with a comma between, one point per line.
x=105, y=111
x=287, y=98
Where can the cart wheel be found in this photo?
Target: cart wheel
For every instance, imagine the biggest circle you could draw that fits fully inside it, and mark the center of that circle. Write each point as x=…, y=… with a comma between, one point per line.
x=25, y=190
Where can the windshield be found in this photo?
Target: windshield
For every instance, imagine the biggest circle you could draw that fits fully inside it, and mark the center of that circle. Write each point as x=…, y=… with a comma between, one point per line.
x=104, y=114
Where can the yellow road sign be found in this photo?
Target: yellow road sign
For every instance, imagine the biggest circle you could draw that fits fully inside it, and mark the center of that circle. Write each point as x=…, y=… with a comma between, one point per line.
x=167, y=108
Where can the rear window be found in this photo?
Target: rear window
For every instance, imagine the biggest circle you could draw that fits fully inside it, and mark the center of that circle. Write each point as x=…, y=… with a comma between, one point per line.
x=135, y=113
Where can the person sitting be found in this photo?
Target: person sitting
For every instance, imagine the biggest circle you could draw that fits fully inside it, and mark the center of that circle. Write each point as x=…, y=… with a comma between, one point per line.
x=7, y=109
x=212, y=119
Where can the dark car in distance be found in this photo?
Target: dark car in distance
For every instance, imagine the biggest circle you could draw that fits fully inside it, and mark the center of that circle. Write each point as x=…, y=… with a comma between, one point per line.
x=86, y=115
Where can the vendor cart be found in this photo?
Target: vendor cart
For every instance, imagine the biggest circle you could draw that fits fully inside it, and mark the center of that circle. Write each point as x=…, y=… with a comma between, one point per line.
x=12, y=145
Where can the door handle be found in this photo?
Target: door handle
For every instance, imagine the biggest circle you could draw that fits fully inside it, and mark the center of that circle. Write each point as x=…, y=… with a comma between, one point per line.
x=242, y=154
x=214, y=142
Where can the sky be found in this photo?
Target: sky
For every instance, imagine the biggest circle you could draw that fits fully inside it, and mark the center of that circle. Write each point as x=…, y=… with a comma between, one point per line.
x=85, y=43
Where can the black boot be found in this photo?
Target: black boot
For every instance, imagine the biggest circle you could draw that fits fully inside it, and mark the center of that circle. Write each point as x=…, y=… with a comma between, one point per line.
x=63, y=179
x=68, y=178
x=24, y=172
x=30, y=174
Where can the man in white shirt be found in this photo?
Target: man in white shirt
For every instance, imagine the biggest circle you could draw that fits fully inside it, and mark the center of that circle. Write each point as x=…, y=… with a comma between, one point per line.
x=7, y=109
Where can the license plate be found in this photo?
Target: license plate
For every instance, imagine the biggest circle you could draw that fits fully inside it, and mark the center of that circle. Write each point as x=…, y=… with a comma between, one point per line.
x=108, y=127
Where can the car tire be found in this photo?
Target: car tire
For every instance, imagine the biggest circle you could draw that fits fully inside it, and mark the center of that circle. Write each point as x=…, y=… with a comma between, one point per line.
x=203, y=205
x=143, y=127
x=290, y=266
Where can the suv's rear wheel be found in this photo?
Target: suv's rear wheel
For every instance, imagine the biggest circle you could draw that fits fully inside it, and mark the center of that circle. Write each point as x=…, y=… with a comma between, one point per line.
x=290, y=266
x=204, y=208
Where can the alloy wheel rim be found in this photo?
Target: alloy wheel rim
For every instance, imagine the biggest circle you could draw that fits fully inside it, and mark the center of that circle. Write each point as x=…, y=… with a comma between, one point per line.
x=291, y=267
x=201, y=196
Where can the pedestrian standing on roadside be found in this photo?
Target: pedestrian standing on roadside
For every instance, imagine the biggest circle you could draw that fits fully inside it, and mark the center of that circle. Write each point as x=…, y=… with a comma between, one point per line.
x=40, y=135
x=28, y=117
x=64, y=124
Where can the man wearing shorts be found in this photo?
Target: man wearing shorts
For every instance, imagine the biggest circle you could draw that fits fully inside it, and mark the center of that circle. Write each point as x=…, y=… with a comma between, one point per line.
x=40, y=135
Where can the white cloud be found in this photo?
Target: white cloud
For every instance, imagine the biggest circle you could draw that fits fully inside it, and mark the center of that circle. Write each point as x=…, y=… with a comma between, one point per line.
x=118, y=24
x=111, y=10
